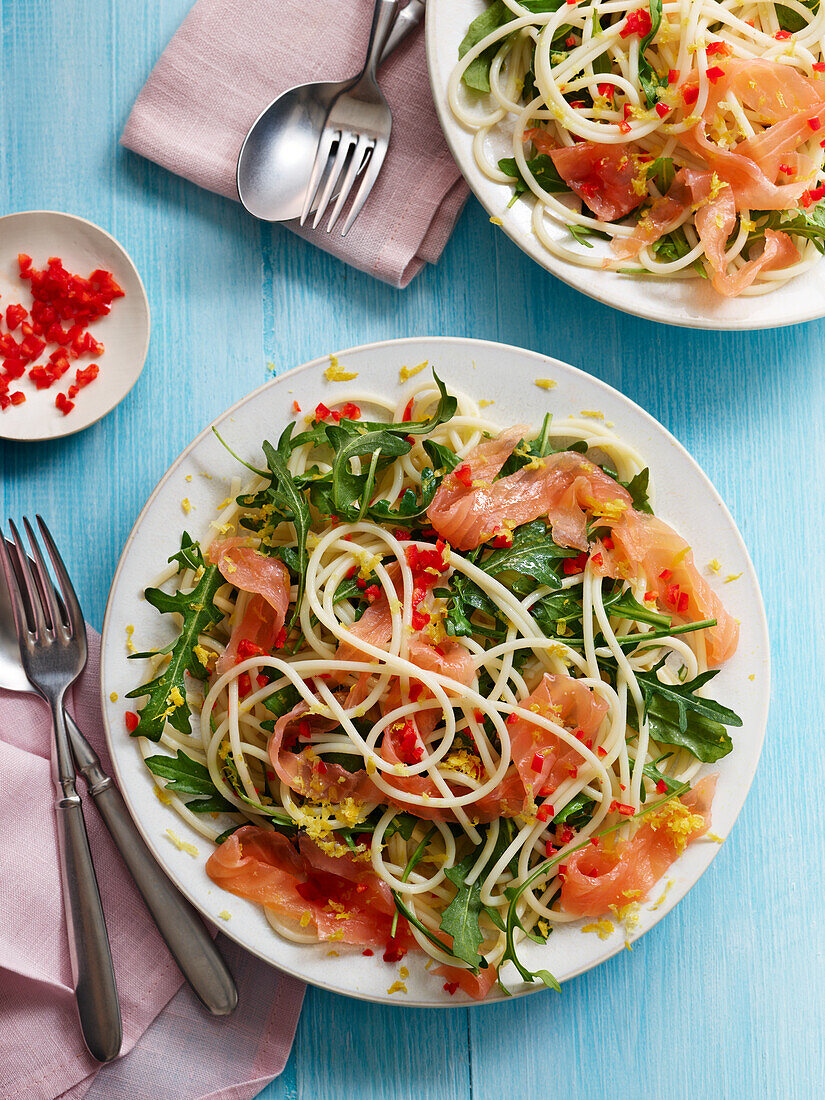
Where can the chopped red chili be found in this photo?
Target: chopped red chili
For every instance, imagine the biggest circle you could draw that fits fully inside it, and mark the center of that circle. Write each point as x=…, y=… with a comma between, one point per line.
x=637, y=22
x=571, y=566
x=132, y=721
x=464, y=475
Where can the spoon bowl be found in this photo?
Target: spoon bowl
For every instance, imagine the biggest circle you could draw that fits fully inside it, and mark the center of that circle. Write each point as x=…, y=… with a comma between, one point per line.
x=276, y=158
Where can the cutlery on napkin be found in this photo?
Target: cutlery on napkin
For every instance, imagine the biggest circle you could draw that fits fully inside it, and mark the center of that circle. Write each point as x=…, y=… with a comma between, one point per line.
x=229, y=59
x=173, y=1049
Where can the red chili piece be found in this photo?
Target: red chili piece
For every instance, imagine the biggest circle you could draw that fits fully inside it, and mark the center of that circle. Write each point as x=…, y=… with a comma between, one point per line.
x=637, y=22
x=464, y=475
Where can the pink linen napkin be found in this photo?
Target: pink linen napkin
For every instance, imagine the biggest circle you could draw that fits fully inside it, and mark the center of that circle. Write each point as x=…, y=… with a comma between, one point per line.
x=229, y=59
x=173, y=1049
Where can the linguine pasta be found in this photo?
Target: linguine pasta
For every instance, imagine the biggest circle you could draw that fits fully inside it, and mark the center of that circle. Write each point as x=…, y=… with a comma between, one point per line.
x=447, y=732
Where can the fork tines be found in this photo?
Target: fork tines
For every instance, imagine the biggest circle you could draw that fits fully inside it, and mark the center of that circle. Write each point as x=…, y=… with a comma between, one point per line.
x=41, y=614
x=342, y=157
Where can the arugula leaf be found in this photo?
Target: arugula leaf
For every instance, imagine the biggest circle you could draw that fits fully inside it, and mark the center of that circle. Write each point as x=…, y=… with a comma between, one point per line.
x=661, y=171
x=809, y=224
x=167, y=692
x=460, y=918
x=532, y=554
x=789, y=20
x=638, y=487
x=577, y=809
x=288, y=499
x=443, y=459
x=229, y=772
x=675, y=245
x=580, y=233
x=648, y=79
x=347, y=487
x=350, y=492
x=678, y=716
x=477, y=73
x=554, y=608
x=543, y=170
x=416, y=923
x=445, y=410
x=652, y=772
x=187, y=776
x=625, y=605
x=409, y=509
x=282, y=701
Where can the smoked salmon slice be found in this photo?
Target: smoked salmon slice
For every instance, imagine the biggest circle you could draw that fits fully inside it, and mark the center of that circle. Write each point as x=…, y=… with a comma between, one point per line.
x=267, y=579
x=334, y=895
x=596, y=878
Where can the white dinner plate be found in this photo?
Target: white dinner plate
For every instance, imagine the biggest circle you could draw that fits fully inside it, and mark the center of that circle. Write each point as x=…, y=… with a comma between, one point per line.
x=124, y=332
x=505, y=375
x=692, y=303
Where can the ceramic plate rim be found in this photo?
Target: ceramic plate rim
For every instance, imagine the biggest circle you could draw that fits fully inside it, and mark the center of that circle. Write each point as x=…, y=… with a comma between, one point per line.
x=458, y=141
x=116, y=744
x=72, y=426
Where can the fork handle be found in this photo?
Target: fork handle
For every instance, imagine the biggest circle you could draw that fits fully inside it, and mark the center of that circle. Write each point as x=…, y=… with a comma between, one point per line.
x=89, y=952
x=382, y=21
x=191, y=945
x=405, y=23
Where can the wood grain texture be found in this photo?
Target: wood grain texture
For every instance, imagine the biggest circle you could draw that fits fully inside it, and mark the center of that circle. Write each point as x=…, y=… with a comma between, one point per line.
x=724, y=998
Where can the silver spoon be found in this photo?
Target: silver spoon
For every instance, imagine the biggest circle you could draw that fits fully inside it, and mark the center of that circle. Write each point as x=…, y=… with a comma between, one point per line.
x=276, y=158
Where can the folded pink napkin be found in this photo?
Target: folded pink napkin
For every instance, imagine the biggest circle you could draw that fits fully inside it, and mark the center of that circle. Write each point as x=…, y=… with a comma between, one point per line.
x=172, y=1048
x=229, y=59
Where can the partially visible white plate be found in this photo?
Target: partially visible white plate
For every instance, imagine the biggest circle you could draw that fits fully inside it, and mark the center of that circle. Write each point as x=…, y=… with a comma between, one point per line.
x=82, y=246
x=485, y=370
x=691, y=303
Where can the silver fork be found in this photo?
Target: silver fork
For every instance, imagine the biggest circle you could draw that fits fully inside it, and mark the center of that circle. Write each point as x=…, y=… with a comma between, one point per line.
x=53, y=651
x=356, y=135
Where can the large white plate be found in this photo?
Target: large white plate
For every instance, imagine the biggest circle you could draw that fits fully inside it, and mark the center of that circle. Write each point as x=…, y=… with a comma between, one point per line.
x=493, y=371
x=692, y=303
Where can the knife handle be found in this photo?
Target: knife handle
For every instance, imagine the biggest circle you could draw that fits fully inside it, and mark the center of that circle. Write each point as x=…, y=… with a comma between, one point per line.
x=191, y=945
x=91, y=957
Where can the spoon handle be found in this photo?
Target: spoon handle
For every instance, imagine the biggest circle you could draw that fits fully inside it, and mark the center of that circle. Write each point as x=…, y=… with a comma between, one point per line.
x=382, y=21
x=405, y=23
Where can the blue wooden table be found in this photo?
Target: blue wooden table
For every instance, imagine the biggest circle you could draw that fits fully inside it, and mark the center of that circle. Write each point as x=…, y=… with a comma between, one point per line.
x=725, y=997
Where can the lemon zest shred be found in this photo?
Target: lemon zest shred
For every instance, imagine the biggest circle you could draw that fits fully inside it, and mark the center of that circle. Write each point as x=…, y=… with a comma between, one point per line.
x=182, y=845
x=603, y=928
x=336, y=373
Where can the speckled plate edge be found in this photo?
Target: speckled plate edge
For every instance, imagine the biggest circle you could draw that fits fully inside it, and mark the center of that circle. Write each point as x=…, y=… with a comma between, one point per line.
x=475, y=366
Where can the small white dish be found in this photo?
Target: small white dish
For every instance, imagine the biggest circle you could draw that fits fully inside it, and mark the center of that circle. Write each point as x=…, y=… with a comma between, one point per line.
x=691, y=303
x=82, y=246
x=188, y=496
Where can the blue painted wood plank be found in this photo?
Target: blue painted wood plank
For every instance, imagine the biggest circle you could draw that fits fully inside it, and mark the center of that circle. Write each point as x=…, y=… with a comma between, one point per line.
x=724, y=997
